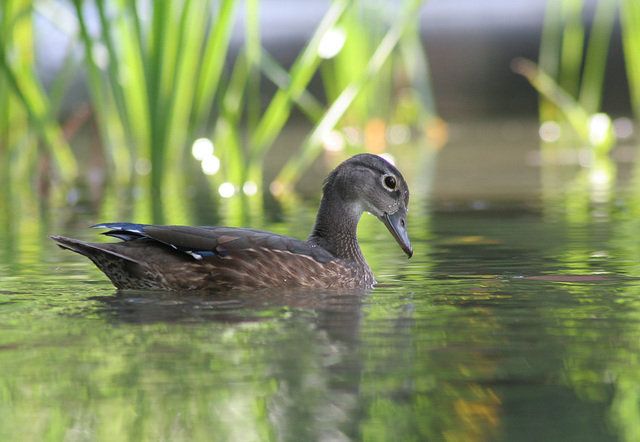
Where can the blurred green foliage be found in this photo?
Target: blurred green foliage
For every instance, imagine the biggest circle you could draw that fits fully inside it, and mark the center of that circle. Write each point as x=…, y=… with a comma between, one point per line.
x=161, y=75
x=29, y=132
x=570, y=78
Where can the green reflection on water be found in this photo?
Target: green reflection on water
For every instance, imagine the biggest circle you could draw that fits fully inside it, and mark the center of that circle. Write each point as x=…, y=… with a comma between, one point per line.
x=504, y=326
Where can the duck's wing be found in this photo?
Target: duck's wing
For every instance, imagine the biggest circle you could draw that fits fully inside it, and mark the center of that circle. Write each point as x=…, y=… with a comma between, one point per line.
x=202, y=242
x=204, y=258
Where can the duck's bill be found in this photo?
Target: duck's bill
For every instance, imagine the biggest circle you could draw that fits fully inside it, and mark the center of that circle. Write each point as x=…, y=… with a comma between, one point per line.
x=397, y=225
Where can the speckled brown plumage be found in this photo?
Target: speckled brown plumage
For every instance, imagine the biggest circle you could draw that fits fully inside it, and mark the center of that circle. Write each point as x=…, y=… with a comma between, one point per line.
x=220, y=258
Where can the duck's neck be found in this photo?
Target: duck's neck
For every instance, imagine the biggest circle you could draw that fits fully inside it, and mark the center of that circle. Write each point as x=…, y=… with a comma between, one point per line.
x=336, y=226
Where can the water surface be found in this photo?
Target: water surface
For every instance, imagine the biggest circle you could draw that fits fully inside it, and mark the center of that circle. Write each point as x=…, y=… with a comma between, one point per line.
x=507, y=324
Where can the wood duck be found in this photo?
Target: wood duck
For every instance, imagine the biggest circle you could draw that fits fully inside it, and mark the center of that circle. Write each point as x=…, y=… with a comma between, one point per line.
x=220, y=258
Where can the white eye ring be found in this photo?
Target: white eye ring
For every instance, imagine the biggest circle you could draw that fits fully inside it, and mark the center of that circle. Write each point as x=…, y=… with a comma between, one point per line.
x=390, y=182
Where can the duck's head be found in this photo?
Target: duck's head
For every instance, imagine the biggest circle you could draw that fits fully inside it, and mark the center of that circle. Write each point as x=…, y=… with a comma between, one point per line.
x=374, y=185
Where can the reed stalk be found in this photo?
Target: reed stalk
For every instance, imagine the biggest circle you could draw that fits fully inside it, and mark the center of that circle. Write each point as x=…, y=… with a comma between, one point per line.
x=26, y=108
x=563, y=58
x=630, y=21
x=159, y=77
x=156, y=89
x=570, y=81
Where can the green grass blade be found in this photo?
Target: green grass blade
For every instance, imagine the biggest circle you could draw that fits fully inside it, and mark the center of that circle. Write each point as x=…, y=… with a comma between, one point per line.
x=213, y=60
x=114, y=72
x=573, y=36
x=160, y=49
x=228, y=140
x=550, y=47
x=630, y=20
x=351, y=61
x=596, y=57
x=191, y=33
x=253, y=49
x=133, y=80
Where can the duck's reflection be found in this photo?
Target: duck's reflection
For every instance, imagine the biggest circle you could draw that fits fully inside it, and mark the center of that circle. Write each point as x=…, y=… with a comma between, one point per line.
x=307, y=345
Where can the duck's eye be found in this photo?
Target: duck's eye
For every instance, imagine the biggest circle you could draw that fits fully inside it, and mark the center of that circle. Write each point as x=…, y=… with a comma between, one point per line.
x=390, y=182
